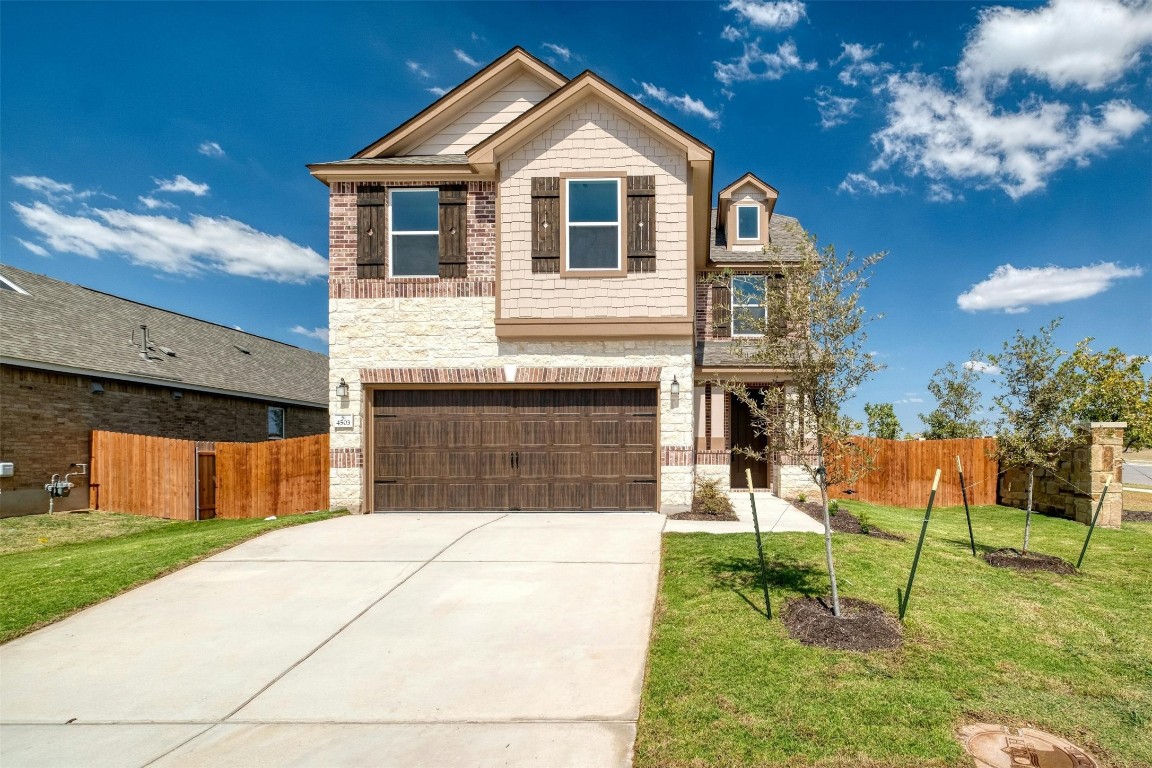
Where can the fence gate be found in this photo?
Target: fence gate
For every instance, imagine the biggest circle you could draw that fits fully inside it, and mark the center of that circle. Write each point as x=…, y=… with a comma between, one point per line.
x=205, y=481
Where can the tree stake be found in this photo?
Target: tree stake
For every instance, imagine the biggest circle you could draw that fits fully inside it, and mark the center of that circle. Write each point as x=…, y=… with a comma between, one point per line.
x=919, y=545
x=759, y=545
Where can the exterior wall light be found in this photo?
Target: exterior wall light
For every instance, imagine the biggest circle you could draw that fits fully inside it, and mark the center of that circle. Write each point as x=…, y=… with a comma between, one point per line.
x=342, y=389
x=675, y=387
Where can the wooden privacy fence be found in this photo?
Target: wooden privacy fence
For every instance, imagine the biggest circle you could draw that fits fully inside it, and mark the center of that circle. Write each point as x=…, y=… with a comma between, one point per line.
x=903, y=472
x=186, y=480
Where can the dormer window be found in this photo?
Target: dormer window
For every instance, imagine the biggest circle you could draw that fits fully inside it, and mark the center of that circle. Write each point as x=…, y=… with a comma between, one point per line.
x=748, y=222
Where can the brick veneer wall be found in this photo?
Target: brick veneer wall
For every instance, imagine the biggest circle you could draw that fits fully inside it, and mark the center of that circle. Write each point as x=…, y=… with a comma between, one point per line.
x=1074, y=489
x=47, y=418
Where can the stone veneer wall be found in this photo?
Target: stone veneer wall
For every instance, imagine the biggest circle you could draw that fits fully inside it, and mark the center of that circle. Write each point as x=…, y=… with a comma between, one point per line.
x=1086, y=466
x=593, y=137
x=459, y=332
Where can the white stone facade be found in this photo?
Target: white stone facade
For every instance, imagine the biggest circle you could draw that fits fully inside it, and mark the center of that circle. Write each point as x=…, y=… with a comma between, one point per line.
x=455, y=332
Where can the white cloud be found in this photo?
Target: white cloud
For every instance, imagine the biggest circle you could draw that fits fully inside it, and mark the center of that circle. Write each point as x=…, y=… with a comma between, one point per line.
x=732, y=34
x=39, y=250
x=202, y=244
x=957, y=136
x=858, y=63
x=686, y=104
x=465, y=58
x=964, y=135
x=211, y=149
x=559, y=50
x=910, y=398
x=320, y=334
x=437, y=90
x=417, y=69
x=834, y=110
x=50, y=188
x=981, y=367
x=153, y=203
x=782, y=14
x=1014, y=290
x=181, y=184
x=1087, y=43
x=755, y=64
x=862, y=184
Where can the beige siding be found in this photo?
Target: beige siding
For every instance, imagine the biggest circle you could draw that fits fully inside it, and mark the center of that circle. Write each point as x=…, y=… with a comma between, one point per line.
x=485, y=118
x=593, y=137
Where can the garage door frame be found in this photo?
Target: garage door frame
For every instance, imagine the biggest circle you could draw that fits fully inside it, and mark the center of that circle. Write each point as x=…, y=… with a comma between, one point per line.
x=368, y=421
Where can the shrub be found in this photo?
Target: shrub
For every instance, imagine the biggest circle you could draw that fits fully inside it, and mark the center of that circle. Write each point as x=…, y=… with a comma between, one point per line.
x=710, y=500
x=801, y=497
x=833, y=507
x=865, y=522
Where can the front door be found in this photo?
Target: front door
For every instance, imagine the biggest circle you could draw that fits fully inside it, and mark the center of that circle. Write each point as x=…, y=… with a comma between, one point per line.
x=744, y=435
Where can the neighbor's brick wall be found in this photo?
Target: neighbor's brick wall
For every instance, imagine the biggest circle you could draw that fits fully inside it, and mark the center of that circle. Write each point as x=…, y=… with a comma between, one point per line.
x=46, y=421
x=1086, y=466
x=593, y=137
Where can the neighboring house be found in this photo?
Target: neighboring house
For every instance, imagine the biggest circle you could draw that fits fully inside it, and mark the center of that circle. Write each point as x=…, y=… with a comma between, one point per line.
x=518, y=307
x=73, y=360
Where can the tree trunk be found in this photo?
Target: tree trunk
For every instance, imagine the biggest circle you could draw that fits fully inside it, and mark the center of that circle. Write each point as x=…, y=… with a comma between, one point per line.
x=827, y=529
x=1028, y=514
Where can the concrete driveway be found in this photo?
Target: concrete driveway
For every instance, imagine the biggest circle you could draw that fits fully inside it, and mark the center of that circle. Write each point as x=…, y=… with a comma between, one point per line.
x=386, y=640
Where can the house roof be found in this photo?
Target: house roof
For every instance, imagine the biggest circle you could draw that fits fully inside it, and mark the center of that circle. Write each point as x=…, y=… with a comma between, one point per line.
x=784, y=234
x=749, y=178
x=451, y=105
x=66, y=327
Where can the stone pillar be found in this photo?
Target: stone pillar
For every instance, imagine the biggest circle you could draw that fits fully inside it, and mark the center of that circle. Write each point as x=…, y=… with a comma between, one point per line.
x=701, y=402
x=1106, y=447
x=719, y=415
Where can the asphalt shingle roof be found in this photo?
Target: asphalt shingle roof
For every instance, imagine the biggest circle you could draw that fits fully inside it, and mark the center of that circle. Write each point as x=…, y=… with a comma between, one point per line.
x=783, y=232
x=64, y=325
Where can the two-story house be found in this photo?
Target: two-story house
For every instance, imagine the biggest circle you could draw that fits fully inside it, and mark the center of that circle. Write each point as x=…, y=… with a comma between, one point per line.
x=519, y=314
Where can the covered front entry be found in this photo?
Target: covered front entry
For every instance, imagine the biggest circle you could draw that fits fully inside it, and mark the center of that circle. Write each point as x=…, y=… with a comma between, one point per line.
x=514, y=449
x=744, y=436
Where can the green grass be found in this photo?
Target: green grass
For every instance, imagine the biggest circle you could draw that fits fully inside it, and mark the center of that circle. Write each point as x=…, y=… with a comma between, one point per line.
x=1068, y=654
x=47, y=583
x=21, y=534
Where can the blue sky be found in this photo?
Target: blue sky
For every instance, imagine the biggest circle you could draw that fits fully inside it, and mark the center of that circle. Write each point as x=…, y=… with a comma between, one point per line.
x=1000, y=153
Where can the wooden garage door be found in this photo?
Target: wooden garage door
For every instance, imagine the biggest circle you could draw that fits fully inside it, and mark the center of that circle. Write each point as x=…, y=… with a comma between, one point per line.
x=550, y=449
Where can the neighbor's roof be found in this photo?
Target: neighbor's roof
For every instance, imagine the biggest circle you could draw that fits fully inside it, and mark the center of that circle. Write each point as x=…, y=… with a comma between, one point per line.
x=784, y=232
x=61, y=326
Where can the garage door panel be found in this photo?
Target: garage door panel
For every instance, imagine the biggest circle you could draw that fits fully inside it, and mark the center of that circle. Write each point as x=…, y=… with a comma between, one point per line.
x=547, y=449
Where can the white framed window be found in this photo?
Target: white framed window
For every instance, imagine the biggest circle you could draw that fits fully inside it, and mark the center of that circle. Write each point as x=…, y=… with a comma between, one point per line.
x=414, y=236
x=593, y=222
x=275, y=423
x=747, y=222
x=749, y=305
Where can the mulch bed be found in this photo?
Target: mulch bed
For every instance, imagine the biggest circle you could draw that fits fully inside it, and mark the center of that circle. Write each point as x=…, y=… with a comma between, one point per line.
x=862, y=626
x=1137, y=517
x=843, y=521
x=703, y=516
x=1012, y=558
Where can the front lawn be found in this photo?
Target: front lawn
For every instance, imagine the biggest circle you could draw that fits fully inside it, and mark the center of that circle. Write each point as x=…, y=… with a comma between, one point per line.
x=1068, y=654
x=45, y=584
x=21, y=534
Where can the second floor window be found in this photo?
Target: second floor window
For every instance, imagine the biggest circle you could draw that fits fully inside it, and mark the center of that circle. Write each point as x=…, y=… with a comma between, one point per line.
x=415, y=232
x=747, y=222
x=593, y=224
x=749, y=305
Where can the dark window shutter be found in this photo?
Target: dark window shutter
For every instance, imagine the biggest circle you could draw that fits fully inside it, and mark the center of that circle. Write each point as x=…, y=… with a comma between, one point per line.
x=371, y=234
x=641, y=223
x=546, y=224
x=721, y=311
x=774, y=299
x=454, y=231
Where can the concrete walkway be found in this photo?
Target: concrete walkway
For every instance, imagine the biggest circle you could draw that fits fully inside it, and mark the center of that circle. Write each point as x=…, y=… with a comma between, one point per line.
x=387, y=640
x=776, y=516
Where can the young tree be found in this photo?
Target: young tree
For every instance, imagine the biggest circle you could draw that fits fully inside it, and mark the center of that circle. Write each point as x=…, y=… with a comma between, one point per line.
x=813, y=328
x=1116, y=390
x=957, y=403
x=882, y=421
x=1037, y=405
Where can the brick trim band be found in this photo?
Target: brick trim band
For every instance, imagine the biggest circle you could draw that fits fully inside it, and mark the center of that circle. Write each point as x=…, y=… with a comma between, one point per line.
x=714, y=458
x=345, y=458
x=676, y=456
x=415, y=288
x=523, y=375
